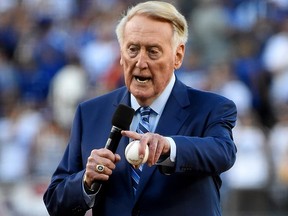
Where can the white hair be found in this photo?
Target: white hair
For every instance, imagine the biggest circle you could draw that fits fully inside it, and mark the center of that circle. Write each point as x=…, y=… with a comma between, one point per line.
x=159, y=11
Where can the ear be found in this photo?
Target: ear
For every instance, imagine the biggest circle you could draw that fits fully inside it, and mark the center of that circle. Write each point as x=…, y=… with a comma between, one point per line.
x=179, y=56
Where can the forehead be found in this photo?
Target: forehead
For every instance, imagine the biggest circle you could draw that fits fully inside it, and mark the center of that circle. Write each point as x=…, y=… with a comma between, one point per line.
x=142, y=28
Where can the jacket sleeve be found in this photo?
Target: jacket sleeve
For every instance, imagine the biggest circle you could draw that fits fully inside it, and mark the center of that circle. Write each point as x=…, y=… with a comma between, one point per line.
x=213, y=151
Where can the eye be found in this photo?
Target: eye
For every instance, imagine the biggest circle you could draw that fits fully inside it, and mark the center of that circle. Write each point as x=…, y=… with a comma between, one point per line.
x=133, y=50
x=154, y=52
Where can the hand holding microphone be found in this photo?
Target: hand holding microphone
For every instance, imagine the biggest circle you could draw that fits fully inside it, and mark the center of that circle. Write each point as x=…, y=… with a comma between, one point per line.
x=105, y=160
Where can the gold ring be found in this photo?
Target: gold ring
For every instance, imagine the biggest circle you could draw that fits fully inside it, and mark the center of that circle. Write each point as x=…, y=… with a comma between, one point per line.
x=100, y=168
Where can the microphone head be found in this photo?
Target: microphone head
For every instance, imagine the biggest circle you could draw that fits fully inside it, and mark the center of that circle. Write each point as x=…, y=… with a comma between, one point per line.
x=123, y=116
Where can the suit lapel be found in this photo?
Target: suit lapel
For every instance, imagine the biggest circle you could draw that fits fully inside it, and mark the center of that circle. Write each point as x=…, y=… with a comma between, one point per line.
x=122, y=98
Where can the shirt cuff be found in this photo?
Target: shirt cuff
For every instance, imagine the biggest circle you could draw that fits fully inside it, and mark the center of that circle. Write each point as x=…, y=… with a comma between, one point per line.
x=89, y=198
x=172, y=149
x=168, y=161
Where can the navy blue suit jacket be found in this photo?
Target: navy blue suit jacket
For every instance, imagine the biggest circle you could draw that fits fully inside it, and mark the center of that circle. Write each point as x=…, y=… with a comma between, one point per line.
x=200, y=124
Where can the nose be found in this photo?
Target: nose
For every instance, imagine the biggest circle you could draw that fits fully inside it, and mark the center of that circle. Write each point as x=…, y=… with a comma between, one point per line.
x=142, y=60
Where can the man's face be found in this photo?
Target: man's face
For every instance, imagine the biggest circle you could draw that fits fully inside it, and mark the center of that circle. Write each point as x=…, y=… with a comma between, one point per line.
x=148, y=58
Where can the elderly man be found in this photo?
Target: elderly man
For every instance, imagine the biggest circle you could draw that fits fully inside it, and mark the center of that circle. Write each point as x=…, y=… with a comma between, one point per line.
x=188, y=133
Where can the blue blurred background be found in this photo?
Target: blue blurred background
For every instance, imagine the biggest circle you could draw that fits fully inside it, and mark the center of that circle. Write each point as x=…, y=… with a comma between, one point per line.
x=55, y=54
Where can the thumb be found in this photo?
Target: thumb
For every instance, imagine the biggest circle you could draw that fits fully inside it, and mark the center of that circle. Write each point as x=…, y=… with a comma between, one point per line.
x=117, y=158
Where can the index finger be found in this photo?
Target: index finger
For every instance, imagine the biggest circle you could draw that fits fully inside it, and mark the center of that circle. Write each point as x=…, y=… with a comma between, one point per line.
x=131, y=134
x=103, y=153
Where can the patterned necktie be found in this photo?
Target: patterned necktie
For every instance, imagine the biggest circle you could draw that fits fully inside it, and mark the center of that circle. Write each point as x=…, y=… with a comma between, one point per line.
x=143, y=127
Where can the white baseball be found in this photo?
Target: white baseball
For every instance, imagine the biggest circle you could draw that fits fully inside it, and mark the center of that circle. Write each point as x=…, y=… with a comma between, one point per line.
x=132, y=153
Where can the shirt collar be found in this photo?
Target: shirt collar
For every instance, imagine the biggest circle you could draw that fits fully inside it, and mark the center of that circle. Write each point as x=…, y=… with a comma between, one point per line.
x=159, y=103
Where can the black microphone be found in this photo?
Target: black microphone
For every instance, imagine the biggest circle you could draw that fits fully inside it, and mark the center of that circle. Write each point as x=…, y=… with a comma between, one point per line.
x=121, y=120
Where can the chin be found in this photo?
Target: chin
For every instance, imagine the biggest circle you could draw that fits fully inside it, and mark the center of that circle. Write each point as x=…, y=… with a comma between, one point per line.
x=140, y=96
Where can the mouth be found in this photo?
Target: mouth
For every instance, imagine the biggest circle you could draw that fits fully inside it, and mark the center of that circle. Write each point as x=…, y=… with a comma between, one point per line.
x=142, y=79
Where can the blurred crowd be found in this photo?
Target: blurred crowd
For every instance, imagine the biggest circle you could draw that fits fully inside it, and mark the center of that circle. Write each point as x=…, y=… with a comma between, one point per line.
x=55, y=54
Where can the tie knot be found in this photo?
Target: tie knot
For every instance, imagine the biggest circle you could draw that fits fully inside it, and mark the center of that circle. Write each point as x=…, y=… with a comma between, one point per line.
x=145, y=112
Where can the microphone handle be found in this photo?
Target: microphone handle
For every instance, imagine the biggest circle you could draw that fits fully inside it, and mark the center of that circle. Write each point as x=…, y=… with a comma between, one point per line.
x=114, y=139
x=111, y=144
x=95, y=186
